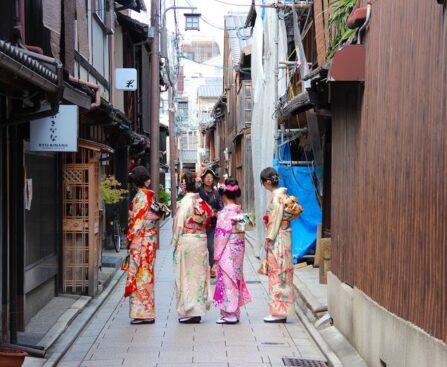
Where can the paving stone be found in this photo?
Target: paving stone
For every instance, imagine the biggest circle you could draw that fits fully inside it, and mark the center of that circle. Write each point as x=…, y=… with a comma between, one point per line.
x=114, y=342
x=207, y=357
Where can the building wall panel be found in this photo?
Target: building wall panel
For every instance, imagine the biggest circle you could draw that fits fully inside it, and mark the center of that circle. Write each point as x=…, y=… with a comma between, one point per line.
x=389, y=190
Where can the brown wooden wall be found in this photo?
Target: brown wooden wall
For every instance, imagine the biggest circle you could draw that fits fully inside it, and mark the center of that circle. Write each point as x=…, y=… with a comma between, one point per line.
x=389, y=188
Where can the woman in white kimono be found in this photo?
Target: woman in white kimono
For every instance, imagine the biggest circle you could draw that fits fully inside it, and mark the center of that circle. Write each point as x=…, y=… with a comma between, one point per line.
x=192, y=277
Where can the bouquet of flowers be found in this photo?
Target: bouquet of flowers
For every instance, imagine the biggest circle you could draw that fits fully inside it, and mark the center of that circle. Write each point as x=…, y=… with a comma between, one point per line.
x=243, y=222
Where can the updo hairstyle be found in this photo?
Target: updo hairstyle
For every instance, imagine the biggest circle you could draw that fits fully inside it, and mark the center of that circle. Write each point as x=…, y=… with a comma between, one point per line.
x=138, y=176
x=230, y=189
x=190, y=181
x=270, y=174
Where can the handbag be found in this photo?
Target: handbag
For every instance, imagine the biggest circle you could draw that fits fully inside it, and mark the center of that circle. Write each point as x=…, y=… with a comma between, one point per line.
x=125, y=264
x=264, y=267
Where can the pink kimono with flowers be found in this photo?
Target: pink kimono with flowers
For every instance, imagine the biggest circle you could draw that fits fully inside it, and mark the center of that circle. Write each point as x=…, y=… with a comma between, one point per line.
x=279, y=256
x=229, y=248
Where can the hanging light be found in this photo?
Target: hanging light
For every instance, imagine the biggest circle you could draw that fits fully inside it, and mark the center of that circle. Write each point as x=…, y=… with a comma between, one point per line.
x=192, y=21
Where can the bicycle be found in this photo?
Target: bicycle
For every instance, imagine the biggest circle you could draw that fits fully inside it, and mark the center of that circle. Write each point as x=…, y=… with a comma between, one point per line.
x=116, y=231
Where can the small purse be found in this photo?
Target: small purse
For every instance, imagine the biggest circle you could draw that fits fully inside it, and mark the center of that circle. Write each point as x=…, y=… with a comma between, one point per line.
x=264, y=267
x=125, y=264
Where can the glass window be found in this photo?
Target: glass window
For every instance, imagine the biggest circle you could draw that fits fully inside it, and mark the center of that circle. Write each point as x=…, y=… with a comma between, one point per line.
x=100, y=9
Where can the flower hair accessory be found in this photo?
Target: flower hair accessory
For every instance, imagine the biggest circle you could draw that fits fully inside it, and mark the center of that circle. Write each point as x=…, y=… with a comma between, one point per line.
x=231, y=188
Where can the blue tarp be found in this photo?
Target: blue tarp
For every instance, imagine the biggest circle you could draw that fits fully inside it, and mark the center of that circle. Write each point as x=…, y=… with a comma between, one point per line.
x=298, y=181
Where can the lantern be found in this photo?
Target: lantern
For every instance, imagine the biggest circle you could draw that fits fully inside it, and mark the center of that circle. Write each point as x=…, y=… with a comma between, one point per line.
x=192, y=21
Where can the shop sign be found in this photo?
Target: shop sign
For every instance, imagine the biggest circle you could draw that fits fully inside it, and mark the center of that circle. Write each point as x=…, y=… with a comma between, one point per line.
x=126, y=79
x=58, y=133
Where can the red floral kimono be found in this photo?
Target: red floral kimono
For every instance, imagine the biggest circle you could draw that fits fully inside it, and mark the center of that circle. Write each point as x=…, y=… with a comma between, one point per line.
x=142, y=237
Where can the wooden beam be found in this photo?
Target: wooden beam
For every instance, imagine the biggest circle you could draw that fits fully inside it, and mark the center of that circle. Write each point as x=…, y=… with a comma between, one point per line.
x=297, y=104
x=319, y=32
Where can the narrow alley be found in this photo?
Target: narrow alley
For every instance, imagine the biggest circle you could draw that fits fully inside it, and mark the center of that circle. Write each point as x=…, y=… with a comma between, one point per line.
x=109, y=339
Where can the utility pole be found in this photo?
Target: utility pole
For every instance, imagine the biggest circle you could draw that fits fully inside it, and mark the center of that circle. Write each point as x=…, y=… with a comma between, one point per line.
x=276, y=75
x=155, y=99
x=172, y=144
x=172, y=150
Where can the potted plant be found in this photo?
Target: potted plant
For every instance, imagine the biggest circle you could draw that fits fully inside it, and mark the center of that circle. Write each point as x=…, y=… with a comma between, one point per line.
x=10, y=357
x=111, y=190
x=164, y=199
x=164, y=196
x=112, y=194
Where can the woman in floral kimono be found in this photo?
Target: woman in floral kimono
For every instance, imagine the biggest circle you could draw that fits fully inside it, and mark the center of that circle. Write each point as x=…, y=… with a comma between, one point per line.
x=142, y=240
x=231, y=291
x=278, y=247
x=192, y=277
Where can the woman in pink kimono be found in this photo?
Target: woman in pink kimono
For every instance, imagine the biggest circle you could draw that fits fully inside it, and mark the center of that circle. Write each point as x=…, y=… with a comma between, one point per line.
x=229, y=248
x=142, y=240
x=192, y=276
x=278, y=247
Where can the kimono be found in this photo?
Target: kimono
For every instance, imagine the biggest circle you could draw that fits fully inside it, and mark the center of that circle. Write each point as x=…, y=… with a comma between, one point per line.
x=231, y=291
x=192, y=277
x=279, y=255
x=142, y=239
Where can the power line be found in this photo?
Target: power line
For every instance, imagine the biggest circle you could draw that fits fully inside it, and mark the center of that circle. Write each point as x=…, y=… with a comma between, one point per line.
x=231, y=4
x=206, y=20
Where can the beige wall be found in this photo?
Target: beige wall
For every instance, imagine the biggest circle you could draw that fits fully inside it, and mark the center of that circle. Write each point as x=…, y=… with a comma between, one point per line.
x=378, y=335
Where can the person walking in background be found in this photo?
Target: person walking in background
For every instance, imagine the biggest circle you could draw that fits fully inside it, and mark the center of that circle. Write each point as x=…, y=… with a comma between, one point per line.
x=208, y=193
x=192, y=278
x=142, y=240
x=278, y=247
x=231, y=291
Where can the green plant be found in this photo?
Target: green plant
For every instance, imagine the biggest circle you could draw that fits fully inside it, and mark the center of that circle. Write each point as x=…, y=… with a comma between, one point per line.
x=341, y=9
x=110, y=190
x=163, y=195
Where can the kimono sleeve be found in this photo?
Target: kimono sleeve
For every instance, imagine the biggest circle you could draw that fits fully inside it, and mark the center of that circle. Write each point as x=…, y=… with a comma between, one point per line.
x=222, y=234
x=140, y=206
x=179, y=221
x=275, y=218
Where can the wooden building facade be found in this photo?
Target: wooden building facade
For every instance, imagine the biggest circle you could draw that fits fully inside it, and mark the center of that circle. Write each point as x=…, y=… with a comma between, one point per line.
x=387, y=289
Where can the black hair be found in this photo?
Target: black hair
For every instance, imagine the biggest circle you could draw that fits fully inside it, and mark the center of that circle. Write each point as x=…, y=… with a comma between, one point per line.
x=190, y=180
x=139, y=176
x=270, y=174
x=232, y=195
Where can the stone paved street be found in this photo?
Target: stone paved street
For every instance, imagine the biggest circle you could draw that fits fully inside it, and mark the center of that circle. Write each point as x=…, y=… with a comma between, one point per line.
x=109, y=339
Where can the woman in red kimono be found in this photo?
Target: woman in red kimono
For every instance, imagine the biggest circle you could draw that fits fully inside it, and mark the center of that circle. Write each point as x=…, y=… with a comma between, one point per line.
x=142, y=240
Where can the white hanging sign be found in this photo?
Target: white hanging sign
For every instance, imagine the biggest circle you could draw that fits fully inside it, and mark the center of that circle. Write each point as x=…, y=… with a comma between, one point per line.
x=58, y=133
x=126, y=79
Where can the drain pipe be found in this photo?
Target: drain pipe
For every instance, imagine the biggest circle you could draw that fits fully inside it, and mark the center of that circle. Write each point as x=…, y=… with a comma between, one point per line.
x=362, y=28
x=93, y=86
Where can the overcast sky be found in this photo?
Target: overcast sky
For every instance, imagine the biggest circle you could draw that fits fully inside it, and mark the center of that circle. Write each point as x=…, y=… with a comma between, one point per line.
x=212, y=21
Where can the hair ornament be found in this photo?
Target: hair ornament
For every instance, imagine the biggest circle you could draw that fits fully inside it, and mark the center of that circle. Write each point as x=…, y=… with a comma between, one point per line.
x=231, y=188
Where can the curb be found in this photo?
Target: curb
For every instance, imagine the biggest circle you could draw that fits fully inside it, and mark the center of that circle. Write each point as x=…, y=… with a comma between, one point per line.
x=323, y=346
x=69, y=335
x=64, y=322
